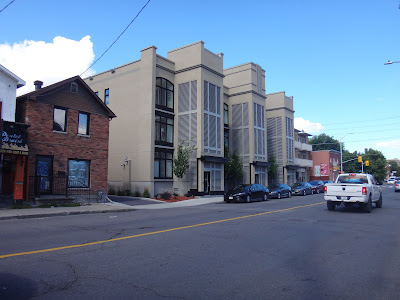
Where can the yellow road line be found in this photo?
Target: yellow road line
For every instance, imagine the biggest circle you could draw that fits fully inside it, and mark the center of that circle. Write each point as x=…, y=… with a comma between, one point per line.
x=154, y=232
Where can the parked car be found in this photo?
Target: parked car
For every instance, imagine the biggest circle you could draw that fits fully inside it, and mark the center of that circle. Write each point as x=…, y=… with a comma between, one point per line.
x=391, y=180
x=247, y=193
x=302, y=188
x=397, y=186
x=279, y=190
x=318, y=186
x=327, y=181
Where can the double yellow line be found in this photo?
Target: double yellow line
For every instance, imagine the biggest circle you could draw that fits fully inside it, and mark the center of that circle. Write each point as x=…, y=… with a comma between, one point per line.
x=151, y=233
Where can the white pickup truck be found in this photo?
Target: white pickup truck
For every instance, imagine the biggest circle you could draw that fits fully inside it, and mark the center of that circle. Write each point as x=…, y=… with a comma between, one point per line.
x=350, y=189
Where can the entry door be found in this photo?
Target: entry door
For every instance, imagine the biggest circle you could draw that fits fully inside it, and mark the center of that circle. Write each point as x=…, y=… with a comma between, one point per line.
x=207, y=181
x=257, y=178
x=44, y=171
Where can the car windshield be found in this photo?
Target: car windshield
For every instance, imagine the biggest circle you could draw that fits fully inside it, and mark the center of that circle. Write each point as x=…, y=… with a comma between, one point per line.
x=273, y=186
x=297, y=184
x=241, y=188
x=353, y=178
x=313, y=182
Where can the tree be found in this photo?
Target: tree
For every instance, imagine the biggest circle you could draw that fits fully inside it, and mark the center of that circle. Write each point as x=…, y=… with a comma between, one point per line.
x=233, y=167
x=272, y=169
x=324, y=142
x=394, y=166
x=181, y=162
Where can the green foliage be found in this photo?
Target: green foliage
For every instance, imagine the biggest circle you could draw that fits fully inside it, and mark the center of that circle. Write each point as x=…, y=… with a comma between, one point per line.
x=146, y=193
x=137, y=194
x=120, y=192
x=324, y=142
x=377, y=163
x=127, y=192
x=394, y=166
x=233, y=167
x=273, y=167
x=166, y=195
x=20, y=205
x=181, y=162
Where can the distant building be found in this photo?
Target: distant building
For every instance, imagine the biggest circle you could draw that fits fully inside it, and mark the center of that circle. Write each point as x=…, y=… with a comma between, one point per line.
x=326, y=165
x=302, y=156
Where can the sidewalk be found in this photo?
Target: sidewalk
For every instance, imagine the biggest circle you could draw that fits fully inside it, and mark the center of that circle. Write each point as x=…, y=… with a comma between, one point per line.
x=25, y=213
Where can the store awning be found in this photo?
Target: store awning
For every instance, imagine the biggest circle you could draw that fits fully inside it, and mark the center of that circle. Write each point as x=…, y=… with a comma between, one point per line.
x=10, y=148
x=261, y=163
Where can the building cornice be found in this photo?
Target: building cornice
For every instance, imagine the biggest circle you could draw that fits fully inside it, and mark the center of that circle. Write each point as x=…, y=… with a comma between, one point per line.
x=247, y=92
x=279, y=108
x=200, y=66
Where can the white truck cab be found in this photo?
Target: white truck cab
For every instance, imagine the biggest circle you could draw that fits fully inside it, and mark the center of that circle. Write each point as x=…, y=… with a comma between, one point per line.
x=353, y=188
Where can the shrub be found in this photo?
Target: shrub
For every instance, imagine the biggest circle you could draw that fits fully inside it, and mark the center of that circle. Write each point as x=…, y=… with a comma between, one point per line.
x=138, y=194
x=146, y=193
x=189, y=195
x=166, y=195
x=111, y=190
x=127, y=192
x=120, y=193
x=21, y=205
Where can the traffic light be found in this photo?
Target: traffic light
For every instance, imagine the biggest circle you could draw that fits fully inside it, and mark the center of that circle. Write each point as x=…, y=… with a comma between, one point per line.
x=360, y=158
x=367, y=163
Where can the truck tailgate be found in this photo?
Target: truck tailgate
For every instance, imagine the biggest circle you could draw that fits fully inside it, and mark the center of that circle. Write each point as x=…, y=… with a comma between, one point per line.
x=348, y=189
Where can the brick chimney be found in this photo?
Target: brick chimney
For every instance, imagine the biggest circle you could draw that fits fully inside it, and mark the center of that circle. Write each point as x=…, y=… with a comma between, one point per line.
x=38, y=84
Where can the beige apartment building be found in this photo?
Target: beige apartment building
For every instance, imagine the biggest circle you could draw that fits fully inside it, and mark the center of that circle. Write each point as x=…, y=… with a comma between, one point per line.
x=303, y=157
x=280, y=135
x=187, y=96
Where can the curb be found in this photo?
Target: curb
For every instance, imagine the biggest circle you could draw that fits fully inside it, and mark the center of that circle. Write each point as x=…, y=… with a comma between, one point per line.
x=66, y=213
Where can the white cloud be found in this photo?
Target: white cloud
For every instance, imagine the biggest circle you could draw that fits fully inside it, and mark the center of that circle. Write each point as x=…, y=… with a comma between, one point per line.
x=395, y=144
x=307, y=126
x=48, y=62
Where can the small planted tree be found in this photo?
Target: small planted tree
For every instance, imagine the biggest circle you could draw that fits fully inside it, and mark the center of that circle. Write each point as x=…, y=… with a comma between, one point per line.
x=233, y=168
x=181, y=161
x=272, y=169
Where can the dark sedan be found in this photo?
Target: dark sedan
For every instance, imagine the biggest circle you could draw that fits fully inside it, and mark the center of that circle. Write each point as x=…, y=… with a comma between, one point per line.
x=302, y=188
x=247, y=193
x=318, y=186
x=279, y=190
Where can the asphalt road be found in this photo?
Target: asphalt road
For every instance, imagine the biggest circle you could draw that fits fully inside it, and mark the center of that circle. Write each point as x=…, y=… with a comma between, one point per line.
x=291, y=248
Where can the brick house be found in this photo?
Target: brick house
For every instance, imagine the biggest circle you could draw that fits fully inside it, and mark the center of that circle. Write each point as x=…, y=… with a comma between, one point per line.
x=67, y=138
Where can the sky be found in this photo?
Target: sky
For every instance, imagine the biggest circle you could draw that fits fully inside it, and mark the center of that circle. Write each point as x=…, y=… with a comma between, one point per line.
x=328, y=55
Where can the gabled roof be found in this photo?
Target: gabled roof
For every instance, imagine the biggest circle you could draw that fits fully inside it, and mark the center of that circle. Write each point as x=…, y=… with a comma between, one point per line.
x=19, y=81
x=58, y=85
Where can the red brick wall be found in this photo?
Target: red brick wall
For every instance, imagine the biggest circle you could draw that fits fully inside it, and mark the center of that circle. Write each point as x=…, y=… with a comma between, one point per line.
x=63, y=146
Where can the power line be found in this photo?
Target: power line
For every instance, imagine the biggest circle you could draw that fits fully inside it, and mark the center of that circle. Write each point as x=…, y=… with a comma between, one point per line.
x=116, y=38
x=7, y=5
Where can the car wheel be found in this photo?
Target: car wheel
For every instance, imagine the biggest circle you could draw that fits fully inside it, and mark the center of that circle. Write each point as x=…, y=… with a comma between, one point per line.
x=312, y=192
x=317, y=191
x=279, y=196
x=289, y=194
x=379, y=203
x=265, y=197
x=367, y=207
x=304, y=192
x=331, y=205
x=248, y=198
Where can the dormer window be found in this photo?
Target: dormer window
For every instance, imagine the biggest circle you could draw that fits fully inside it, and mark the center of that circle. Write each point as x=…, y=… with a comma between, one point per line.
x=74, y=88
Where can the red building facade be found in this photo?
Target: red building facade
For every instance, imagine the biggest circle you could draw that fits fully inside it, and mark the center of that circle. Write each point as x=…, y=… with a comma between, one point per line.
x=326, y=165
x=67, y=137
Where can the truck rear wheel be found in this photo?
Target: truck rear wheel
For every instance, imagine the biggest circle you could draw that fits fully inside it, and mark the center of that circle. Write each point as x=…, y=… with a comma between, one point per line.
x=331, y=205
x=379, y=202
x=368, y=206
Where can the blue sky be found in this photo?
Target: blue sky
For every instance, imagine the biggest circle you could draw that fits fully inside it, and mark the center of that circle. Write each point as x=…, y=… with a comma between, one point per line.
x=328, y=55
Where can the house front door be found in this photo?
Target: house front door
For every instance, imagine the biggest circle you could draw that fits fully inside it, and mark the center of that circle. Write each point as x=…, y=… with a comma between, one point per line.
x=207, y=182
x=44, y=172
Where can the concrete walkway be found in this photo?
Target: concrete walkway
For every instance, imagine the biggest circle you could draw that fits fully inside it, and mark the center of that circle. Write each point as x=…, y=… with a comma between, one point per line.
x=111, y=206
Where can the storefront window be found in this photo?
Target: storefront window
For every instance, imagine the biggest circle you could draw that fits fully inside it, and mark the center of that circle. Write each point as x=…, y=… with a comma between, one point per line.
x=78, y=173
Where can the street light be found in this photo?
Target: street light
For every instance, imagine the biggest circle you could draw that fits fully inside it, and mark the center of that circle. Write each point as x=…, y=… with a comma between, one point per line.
x=341, y=152
x=391, y=62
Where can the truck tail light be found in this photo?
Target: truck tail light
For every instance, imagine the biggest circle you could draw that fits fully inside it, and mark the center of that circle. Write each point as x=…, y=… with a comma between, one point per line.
x=364, y=190
x=325, y=189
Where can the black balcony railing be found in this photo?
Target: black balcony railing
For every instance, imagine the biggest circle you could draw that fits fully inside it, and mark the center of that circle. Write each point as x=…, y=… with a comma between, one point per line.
x=58, y=185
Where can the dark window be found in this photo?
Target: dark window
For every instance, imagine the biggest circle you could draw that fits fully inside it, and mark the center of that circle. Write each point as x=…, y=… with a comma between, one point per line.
x=74, y=88
x=163, y=164
x=107, y=96
x=226, y=116
x=164, y=94
x=60, y=119
x=78, y=173
x=226, y=139
x=83, y=123
x=164, y=129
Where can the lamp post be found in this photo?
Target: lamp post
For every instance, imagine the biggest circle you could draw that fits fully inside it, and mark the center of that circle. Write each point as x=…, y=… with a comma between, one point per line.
x=391, y=62
x=341, y=152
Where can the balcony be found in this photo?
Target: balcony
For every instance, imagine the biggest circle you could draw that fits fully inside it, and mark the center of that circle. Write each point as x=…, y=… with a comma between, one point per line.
x=305, y=163
x=302, y=146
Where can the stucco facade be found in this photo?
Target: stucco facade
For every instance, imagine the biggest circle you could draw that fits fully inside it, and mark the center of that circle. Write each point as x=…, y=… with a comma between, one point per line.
x=186, y=96
x=9, y=82
x=302, y=156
